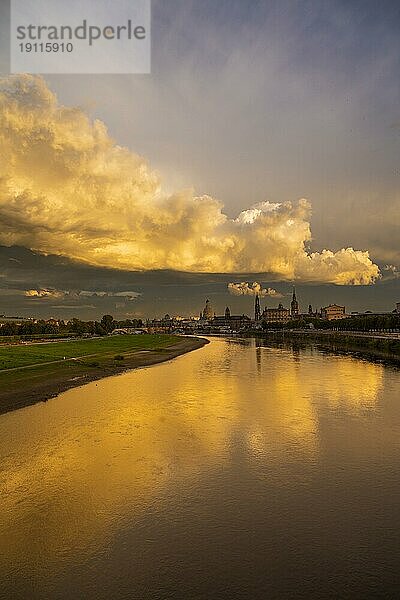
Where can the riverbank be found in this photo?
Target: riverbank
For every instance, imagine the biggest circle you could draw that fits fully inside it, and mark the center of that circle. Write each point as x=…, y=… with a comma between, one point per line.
x=367, y=345
x=39, y=372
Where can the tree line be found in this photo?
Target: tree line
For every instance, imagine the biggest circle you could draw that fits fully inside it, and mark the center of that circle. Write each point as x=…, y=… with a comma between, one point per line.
x=64, y=328
x=354, y=323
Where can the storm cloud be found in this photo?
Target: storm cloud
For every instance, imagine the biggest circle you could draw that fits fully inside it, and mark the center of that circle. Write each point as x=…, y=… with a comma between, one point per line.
x=67, y=188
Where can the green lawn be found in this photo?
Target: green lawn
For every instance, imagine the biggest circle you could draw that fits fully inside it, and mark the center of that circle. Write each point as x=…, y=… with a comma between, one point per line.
x=25, y=355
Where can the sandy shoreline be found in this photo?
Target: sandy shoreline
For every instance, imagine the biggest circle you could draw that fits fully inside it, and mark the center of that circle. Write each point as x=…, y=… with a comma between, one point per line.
x=31, y=391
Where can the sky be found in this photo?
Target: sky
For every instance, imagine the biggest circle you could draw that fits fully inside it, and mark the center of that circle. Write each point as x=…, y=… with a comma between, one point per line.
x=264, y=146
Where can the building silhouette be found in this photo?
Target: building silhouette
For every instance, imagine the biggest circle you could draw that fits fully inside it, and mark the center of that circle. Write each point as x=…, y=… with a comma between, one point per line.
x=294, y=306
x=257, y=309
x=333, y=312
x=276, y=315
x=208, y=312
x=232, y=322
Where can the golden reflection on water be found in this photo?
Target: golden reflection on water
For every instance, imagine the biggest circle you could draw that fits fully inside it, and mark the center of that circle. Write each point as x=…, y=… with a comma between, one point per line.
x=74, y=469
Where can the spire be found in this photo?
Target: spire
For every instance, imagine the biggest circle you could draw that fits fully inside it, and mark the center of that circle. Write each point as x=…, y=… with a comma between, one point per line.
x=257, y=309
x=294, y=305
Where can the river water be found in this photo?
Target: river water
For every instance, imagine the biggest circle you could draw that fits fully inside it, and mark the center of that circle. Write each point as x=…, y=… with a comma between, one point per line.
x=235, y=471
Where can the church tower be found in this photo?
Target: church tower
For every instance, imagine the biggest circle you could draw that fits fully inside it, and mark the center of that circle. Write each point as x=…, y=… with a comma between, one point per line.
x=227, y=313
x=294, y=306
x=208, y=312
x=257, y=309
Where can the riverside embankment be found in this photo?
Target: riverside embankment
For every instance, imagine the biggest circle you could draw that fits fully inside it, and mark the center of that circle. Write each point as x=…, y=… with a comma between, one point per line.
x=371, y=345
x=37, y=372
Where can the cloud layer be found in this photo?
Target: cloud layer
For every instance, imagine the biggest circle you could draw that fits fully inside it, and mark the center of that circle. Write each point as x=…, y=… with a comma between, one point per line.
x=66, y=188
x=53, y=294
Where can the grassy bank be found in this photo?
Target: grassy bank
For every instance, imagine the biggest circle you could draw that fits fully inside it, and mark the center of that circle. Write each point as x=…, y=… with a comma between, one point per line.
x=35, y=372
x=5, y=340
x=98, y=348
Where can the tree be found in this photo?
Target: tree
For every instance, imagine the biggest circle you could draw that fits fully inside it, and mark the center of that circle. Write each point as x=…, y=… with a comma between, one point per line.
x=107, y=322
x=77, y=326
x=9, y=328
x=99, y=329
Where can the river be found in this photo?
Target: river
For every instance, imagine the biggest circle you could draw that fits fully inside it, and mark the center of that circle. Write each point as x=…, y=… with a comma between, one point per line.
x=237, y=471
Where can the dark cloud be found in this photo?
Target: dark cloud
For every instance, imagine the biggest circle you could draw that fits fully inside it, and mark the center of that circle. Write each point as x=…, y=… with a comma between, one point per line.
x=160, y=291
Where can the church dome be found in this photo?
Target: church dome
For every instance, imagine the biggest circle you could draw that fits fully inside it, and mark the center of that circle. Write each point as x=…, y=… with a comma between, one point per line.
x=208, y=312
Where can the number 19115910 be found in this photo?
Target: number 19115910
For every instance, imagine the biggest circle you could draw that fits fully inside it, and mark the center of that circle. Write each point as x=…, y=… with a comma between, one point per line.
x=46, y=47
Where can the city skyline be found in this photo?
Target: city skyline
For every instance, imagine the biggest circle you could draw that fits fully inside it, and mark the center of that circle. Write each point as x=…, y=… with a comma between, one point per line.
x=163, y=292
x=49, y=286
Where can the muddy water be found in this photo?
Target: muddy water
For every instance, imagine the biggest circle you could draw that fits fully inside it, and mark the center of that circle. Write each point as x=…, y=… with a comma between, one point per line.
x=236, y=471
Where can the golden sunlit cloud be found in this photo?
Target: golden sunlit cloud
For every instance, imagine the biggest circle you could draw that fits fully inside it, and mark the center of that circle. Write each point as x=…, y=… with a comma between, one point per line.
x=66, y=188
x=255, y=289
x=45, y=293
